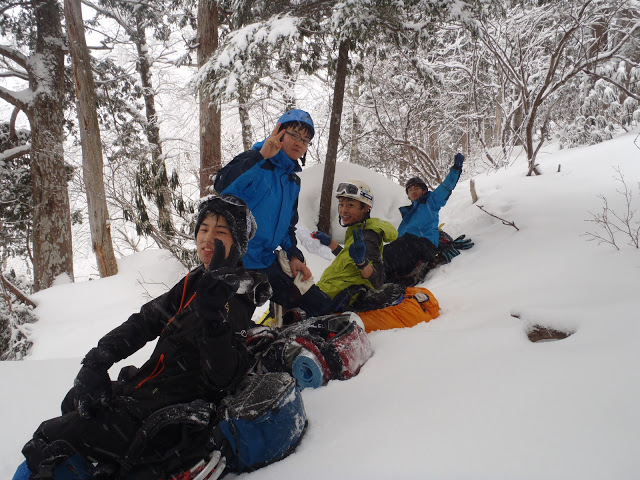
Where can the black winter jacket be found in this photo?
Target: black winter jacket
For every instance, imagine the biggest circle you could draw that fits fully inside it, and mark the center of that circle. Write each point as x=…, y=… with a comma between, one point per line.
x=199, y=354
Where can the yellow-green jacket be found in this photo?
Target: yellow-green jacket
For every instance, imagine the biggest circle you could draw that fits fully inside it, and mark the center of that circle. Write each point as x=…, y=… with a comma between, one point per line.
x=343, y=271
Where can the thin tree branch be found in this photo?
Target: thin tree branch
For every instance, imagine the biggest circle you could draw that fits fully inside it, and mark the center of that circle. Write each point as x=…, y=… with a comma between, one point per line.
x=504, y=222
x=16, y=291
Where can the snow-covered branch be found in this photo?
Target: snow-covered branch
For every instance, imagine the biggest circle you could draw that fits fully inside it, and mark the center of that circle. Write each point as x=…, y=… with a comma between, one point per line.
x=614, y=83
x=14, y=153
x=20, y=99
x=14, y=54
x=113, y=15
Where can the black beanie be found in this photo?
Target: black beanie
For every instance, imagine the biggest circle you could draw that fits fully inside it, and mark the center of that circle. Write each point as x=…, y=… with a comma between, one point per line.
x=235, y=212
x=415, y=181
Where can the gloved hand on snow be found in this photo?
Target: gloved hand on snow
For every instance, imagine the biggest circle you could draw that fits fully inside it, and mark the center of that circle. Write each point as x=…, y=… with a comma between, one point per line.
x=448, y=251
x=358, y=249
x=92, y=388
x=322, y=237
x=462, y=244
x=458, y=160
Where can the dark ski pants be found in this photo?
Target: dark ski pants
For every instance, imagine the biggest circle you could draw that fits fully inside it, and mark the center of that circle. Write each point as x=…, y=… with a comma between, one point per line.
x=401, y=256
x=314, y=302
x=104, y=437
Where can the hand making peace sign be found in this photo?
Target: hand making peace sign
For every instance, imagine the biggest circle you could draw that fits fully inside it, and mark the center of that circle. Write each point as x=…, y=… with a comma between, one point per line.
x=273, y=144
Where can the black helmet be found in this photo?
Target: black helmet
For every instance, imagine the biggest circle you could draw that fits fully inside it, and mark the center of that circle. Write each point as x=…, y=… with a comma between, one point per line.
x=235, y=212
x=415, y=181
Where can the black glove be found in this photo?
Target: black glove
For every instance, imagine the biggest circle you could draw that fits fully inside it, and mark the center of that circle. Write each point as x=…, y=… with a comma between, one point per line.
x=261, y=288
x=458, y=160
x=448, y=251
x=259, y=339
x=462, y=244
x=92, y=388
x=220, y=282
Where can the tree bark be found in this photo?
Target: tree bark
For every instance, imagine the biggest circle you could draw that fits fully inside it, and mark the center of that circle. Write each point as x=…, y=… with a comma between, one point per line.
x=92, y=162
x=245, y=121
x=356, y=129
x=52, y=245
x=152, y=130
x=324, y=221
x=210, y=118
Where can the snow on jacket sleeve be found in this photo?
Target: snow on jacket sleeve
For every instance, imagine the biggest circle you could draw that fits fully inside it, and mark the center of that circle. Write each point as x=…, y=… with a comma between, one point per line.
x=438, y=198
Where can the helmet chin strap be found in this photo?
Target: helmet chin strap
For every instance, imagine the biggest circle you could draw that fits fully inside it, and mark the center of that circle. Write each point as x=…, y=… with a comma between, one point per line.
x=367, y=216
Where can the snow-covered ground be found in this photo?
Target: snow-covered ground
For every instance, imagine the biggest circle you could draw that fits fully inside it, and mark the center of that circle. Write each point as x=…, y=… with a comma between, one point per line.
x=466, y=396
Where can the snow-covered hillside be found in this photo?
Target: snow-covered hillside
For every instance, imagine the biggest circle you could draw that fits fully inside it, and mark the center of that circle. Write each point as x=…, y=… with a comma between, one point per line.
x=466, y=396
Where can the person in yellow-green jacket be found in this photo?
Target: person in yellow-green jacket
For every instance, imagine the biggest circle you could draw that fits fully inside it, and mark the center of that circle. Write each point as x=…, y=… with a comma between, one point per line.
x=355, y=278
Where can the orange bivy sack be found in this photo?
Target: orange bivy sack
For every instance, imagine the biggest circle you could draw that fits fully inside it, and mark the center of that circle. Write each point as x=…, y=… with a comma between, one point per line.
x=419, y=305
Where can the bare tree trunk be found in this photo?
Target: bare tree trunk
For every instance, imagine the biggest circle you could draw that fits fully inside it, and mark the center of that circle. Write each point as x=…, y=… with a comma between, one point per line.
x=356, y=130
x=52, y=247
x=210, y=118
x=152, y=130
x=497, y=131
x=243, y=110
x=432, y=141
x=324, y=221
x=92, y=162
x=516, y=124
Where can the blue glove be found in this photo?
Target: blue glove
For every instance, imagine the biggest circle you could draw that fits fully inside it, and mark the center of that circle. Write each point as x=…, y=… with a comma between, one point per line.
x=358, y=249
x=322, y=237
x=458, y=160
x=462, y=244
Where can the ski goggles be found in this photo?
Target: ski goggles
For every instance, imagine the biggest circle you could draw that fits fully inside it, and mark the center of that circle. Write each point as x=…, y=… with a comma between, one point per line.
x=346, y=188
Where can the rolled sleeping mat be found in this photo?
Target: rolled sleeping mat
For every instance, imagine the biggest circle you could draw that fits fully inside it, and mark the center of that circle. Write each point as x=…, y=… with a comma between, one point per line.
x=307, y=370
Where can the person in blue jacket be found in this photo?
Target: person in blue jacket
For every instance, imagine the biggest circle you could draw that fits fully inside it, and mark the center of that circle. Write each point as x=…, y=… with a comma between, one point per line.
x=419, y=246
x=265, y=177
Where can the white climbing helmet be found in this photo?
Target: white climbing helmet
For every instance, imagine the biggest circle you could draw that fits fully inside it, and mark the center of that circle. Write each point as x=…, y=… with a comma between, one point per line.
x=357, y=190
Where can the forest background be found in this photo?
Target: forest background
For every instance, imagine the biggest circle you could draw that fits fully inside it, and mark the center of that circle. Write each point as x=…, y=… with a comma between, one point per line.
x=115, y=115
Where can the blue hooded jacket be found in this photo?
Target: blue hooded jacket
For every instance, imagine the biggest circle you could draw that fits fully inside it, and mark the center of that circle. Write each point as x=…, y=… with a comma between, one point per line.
x=421, y=218
x=270, y=187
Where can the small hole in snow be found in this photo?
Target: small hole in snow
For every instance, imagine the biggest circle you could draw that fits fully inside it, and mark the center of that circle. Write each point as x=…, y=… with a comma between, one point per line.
x=538, y=333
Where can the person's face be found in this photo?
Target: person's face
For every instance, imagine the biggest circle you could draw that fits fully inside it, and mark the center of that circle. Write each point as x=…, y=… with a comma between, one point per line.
x=415, y=192
x=293, y=142
x=213, y=227
x=351, y=211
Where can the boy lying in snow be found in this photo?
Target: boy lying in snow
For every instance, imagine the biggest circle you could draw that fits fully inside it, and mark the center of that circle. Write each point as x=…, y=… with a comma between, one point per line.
x=355, y=280
x=199, y=353
x=419, y=247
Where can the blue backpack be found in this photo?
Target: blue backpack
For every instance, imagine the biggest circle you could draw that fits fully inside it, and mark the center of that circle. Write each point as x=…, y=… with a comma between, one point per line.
x=262, y=422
